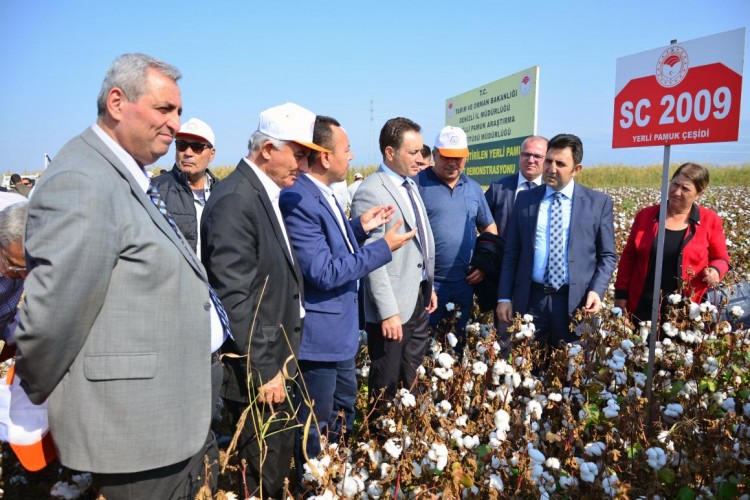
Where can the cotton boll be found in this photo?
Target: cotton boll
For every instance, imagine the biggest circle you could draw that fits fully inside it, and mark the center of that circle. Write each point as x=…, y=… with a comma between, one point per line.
x=470, y=442
x=535, y=455
x=674, y=410
x=457, y=436
x=736, y=311
x=443, y=373
x=695, y=311
x=479, y=368
x=588, y=471
x=351, y=486
x=656, y=458
x=374, y=490
x=496, y=482
x=534, y=409
x=609, y=485
x=594, y=449
x=612, y=409
x=568, y=482
x=393, y=448
x=445, y=360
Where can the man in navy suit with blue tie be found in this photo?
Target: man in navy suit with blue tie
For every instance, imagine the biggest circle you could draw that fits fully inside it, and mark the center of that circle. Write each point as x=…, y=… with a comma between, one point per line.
x=559, y=247
x=332, y=261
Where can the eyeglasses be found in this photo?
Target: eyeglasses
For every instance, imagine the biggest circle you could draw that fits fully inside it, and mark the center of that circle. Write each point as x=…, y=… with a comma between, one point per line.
x=197, y=147
x=527, y=156
x=10, y=268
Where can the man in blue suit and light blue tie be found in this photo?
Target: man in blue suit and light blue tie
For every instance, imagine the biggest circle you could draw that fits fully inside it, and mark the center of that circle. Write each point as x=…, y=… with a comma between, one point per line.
x=559, y=247
x=328, y=248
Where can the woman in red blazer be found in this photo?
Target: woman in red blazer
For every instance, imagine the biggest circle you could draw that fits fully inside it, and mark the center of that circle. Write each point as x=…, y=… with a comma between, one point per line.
x=695, y=250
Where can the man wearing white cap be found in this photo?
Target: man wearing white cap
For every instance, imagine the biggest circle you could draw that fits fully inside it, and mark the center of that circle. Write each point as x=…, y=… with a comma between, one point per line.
x=457, y=209
x=187, y=186
x=251, y=264
x=358, y=178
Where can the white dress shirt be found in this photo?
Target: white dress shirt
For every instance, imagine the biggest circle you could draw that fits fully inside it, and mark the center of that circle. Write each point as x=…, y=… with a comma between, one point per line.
x=541, y=241
x=273, y=191
x=333, y=203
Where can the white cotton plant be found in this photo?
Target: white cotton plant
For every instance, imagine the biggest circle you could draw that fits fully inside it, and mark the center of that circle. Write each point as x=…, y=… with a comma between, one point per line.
x=393, y=448
x=479, y=368
x=405, y=399
x=587, y=470
x=673, y=410
x=656, y=458
x=438, y=455
x=594, y=449
x=452, y=339
x=609, y=485
x=736, y=312
x=612, y=410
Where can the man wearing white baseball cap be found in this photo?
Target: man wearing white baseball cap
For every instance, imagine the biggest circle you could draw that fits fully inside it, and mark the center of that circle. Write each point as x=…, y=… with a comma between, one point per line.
x=456, y=208
x=251, y=265
x=188, y=185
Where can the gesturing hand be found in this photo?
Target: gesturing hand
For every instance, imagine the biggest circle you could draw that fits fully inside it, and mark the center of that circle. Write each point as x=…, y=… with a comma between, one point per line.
x=376, y=216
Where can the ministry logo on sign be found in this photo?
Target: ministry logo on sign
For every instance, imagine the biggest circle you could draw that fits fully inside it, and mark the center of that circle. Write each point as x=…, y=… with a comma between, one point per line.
x=525, y=84
x=672, y=66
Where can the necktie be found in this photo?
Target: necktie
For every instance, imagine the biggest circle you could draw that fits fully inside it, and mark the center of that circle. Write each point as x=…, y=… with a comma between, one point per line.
x=153, y=193
x=555, y=273
x=527, y=185
x=420, y=224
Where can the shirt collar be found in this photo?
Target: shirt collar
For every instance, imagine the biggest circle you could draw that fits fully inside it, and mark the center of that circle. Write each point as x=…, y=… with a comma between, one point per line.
x=521, y=179
x=271, y=188
x=694, y=217
x=397, y=178
x=326, y=190
x=567, y=191
x=138, y=173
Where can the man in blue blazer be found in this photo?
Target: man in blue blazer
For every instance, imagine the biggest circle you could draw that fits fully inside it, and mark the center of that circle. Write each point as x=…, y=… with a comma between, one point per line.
x=559, y=248
x=328, y=248
x=502, y=193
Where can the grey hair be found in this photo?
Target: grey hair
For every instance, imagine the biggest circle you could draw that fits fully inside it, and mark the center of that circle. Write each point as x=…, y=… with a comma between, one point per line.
x=128, y=73
x=534, y=138
x=259, y=138
x=12, y=223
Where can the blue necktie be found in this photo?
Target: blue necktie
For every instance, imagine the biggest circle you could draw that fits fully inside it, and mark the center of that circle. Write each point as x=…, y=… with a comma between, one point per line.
x=527, y=185
x=153, y=193
x=555, y=273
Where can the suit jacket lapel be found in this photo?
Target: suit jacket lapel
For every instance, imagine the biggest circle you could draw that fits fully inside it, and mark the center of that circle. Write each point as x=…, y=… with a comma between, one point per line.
x=270, y=214
x=317, y=193
x=90, y=137
x=399, y=200
x=536, y=200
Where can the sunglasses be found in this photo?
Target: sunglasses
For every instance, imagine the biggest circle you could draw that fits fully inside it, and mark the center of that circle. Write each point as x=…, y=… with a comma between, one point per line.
x=197, y=147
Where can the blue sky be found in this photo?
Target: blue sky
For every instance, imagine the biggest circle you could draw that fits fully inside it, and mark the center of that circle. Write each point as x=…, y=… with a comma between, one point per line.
x=238, y=58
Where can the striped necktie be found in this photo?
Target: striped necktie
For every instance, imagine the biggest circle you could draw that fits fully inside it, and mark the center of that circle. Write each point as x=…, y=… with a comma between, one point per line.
x=420, y=225
x=153, y=194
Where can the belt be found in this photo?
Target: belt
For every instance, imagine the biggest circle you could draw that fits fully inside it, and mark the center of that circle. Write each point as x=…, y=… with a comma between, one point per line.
x=548, y=289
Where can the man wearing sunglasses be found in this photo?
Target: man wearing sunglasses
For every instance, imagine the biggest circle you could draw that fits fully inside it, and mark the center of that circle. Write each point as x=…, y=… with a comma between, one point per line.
x=187, y=186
